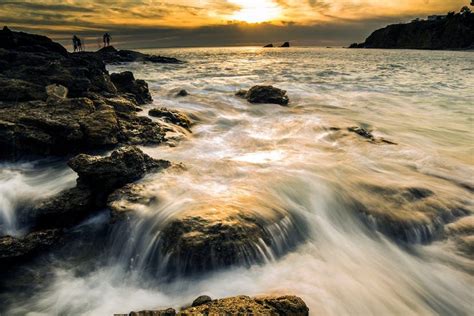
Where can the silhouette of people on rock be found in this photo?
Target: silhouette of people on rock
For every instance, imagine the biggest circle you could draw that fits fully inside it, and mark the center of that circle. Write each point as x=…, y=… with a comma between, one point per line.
x=77, y=44
x=106, y=38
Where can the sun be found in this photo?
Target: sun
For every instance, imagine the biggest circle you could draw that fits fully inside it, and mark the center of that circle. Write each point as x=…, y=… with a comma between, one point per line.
x=256, y=11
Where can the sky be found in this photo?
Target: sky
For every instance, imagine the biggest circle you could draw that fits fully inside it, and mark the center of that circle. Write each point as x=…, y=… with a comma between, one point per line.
x=178, y=23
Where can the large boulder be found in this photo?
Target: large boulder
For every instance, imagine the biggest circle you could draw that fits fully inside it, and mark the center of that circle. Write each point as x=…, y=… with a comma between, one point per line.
x=126, y=83
x=206, y=237
x=265, y=94
x=285, y=44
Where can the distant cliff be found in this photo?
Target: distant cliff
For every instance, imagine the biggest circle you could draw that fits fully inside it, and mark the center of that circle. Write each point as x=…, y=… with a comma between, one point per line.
x=453, y=31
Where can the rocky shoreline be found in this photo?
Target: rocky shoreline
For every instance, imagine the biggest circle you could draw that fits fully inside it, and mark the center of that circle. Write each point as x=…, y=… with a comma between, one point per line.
x=56, y=103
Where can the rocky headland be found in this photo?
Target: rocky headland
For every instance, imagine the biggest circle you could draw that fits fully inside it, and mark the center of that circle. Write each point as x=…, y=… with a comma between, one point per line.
x=453, y=31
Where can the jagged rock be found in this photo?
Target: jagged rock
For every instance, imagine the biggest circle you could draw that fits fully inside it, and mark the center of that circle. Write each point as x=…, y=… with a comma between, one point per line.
x=285, y=44
x=98, y=177
x=171, y=116
x=182, y=93
x=95, y=116
x=123, y=166
x=265, y=94
x=126, y=83
x=268, y=45
x=13, y=249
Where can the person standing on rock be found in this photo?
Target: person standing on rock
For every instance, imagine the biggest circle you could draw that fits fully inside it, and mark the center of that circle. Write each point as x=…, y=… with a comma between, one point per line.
x=106, y=39
x=75, y=41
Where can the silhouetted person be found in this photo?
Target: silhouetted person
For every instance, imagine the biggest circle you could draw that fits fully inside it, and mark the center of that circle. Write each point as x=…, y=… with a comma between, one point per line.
x=75, y=42
x=79, y=44
x=106, y=38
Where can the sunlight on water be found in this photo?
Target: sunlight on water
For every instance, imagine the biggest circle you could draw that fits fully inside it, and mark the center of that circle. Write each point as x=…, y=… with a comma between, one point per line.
x=303, y=162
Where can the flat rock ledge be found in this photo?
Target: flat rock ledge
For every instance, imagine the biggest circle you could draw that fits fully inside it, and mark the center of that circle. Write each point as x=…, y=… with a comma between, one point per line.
x=264, y=94
x=238, y=305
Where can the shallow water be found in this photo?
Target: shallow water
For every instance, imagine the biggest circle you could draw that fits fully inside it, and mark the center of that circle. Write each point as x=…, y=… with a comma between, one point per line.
x=290, y=156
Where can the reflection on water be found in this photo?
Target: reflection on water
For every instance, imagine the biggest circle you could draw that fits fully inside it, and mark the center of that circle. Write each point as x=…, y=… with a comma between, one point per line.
x=304, y=159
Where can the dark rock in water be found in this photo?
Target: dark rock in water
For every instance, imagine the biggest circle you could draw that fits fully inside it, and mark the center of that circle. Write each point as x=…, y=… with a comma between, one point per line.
x=14, y=250
x=111, y=55
x=126, y=83
x=268, y=45
x=454, y=31
x=98, y=177
x=208, y=237
x=203, y=299
x=285, y=44
x=172, y=116
x=407, y=214
x=182, y=93
x=265, y=94
x=369, y=136
x=123, y=166
x=361, y=132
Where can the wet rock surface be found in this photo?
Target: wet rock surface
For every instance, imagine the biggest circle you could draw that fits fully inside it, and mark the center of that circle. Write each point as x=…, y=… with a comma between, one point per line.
x=171, y=116
x=264, y=94
x=209, y=237
x=126, y=83
x=56, y=103
x=365, y=133
x=16, y=249
x=408, y=214
x=241, y=305
x=98, y=178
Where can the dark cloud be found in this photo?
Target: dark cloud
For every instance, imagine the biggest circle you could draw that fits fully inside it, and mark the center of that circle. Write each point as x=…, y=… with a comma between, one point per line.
x=44, y=7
